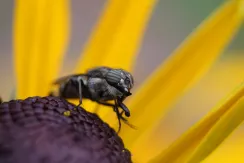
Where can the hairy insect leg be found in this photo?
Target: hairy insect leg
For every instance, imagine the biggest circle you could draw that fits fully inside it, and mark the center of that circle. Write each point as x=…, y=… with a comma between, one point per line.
x=1, y=101
x=125, y=120
x=105, y=103
x=125, y=109
x=112, y=105
x=122, y=98
x=79, y=91
x=77, y=106
x=118, y=114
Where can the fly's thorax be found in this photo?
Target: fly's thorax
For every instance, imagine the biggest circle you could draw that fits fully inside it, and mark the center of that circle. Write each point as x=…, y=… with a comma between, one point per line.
x=97, y=84
x=98, y=71
x=99, y=89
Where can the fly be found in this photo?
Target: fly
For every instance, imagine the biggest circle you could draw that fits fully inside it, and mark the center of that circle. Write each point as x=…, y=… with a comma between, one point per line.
x=100, y=84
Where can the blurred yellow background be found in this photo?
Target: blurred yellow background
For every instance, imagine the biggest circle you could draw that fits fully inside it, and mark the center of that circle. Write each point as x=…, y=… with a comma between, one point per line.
x=171, y=22
x=222, y=79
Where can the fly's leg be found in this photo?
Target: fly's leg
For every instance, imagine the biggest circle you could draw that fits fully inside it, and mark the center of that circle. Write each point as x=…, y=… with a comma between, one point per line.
x=74, y=82
x=1, y=101
x=126, y=121
x=80, y=91
x=79, y=81
x=116, y=110
x=118, y=114
x=125, y=109
x=105, y=103
x=119, y=104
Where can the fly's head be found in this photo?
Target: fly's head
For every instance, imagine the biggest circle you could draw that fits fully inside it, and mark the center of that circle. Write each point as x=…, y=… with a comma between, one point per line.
x=121, y=80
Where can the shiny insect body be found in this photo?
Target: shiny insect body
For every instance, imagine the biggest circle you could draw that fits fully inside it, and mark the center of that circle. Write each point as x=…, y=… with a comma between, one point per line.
x=100, y=84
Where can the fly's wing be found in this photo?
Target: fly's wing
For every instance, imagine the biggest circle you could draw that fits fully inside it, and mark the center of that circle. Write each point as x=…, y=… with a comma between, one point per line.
x=98, y=72
x=68, y=85
x=65, y=78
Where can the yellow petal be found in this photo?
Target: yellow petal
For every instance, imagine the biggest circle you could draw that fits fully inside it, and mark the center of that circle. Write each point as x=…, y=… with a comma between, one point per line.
x=207, y=128
x=22, y=32
x=219, y=132
x=232, y=150
x=116, y=38
x=102, y=35
x=40, y=38
x=183, y=69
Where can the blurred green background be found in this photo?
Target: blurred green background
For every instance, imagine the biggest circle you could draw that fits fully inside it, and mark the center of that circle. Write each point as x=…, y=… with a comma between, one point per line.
x=171, y=22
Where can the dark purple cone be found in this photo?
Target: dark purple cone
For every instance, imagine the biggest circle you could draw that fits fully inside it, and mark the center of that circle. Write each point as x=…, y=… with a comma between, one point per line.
x=35, y=130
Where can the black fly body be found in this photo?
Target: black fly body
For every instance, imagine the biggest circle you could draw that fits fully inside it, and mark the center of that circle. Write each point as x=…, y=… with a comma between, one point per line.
x=100, y=84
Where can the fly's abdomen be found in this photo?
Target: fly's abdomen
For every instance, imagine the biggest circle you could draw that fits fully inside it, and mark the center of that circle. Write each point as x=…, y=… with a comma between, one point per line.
x=71, y=91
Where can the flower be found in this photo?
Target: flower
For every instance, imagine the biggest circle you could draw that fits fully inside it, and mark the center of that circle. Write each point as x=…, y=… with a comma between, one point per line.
x=35, y=130
x=180, y=72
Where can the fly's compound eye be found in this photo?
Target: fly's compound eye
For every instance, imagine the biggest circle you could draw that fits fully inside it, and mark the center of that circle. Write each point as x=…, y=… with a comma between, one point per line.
x=127, y=81
x=113, y=77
